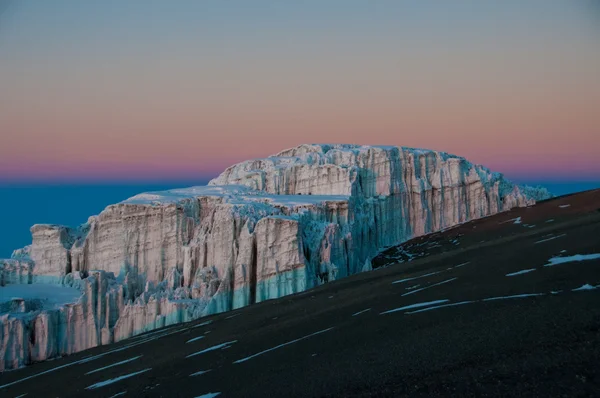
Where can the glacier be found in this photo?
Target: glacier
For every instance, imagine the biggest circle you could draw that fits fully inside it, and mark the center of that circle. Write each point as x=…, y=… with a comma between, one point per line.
x=263, y=229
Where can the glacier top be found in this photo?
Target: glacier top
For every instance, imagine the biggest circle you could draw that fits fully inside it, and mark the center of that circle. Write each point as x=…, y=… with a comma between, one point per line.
x=234, y=194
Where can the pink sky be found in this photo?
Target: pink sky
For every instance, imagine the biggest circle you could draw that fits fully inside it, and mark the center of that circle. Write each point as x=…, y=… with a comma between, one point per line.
x=106, y=98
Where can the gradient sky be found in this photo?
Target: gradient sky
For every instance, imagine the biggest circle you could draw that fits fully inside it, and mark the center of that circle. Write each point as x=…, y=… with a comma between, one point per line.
x=133, y=90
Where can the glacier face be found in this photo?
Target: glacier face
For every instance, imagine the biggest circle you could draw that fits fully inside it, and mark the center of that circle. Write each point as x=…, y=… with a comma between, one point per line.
x=263, y=229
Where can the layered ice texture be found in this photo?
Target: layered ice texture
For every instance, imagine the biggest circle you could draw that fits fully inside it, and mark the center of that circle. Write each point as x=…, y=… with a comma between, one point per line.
x=263, y=229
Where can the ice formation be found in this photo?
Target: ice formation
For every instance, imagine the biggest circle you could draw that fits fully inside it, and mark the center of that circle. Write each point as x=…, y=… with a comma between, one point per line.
x=263, y=229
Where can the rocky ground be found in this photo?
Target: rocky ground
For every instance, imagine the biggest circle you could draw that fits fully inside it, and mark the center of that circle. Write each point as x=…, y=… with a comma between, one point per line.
x=503, y=306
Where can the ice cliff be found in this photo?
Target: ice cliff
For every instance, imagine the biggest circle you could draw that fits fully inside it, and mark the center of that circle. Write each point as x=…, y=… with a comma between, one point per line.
x=263, y=229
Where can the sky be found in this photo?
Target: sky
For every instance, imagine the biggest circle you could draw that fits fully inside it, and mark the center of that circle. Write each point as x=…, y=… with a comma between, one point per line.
x=126, y=90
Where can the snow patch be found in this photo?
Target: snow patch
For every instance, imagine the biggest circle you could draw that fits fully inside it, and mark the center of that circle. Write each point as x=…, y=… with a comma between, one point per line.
x=283, y=345
x=569, y=259
x=361, y=312
x=416, y=277
x=516, y=220
x=525, y=271
x=440, y=306
x=202, y=324
x=430, y=286
x=116, y=379
x=418, y=305
x=548, y=239
x=200, y=372
x=114, y=364
x=213, y=348
x=514, y=296
x=585, y=287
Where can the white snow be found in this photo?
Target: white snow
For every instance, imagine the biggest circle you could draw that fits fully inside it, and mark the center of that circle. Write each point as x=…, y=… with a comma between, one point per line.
x=516, y=220
x=513, y=296
x=200, y=372
x=213, y=348
x=416, y=277
x=114, y=364
x=283, y=345
x=550, y=220
x=195, y=339
x=564, y=206
x=573, y=258
x=585, y=287
x=202, y=324
x=548, y=239
x=116, y=379
x=427, y=287
x=209, y=395
x=154, y=333
x=361, y=312
x=418, y=305
x=414, y=286
x=440, y=306
x=429, y=274
x=461, y=265
x=53, y=296
x=233, y=316
x=525, y=271
x=118, y=394
x=473, y=301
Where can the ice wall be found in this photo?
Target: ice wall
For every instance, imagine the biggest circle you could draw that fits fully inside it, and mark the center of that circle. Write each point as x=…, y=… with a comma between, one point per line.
x=263, y=229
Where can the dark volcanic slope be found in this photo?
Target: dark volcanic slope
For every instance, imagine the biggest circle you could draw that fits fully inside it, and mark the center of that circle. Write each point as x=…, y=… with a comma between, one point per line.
x=462, y=327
